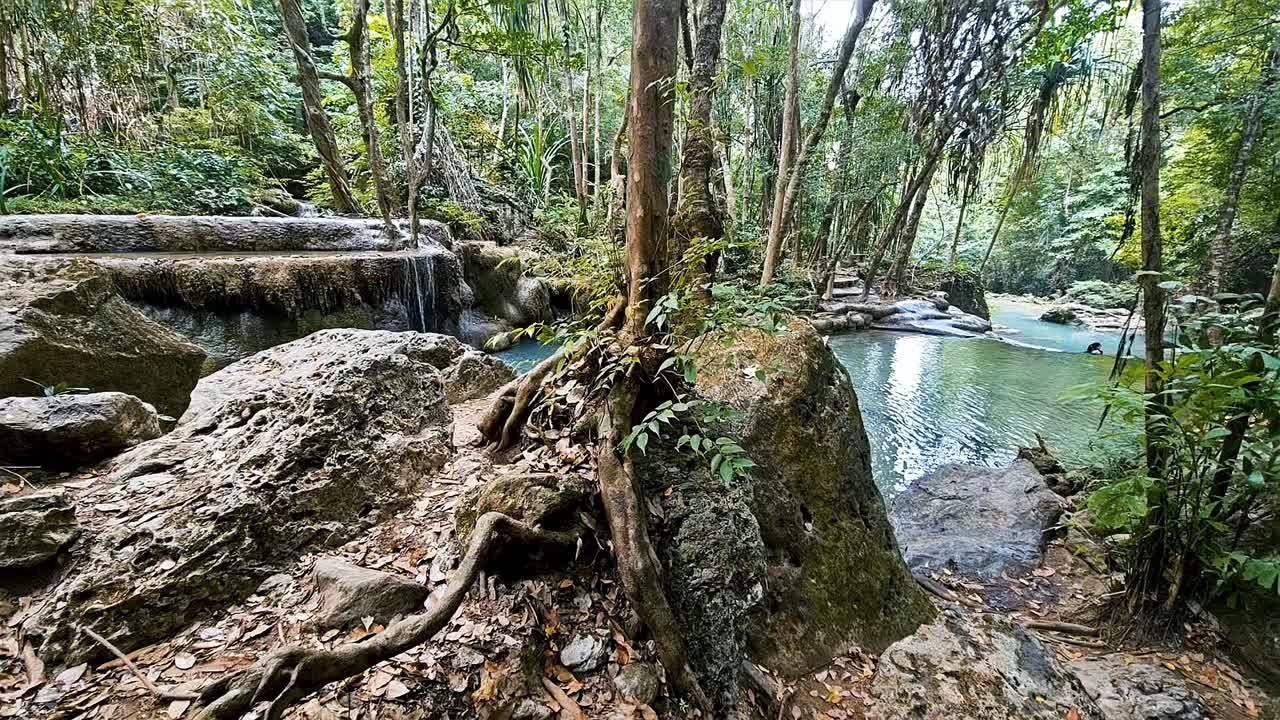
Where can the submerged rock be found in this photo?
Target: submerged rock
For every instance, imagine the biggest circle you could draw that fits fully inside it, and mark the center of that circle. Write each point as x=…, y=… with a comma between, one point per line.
x=70, y=430
x=34, y=527
x=350, y=593
x=63, y=322
x=24, y=234
x=1136, y=690
x=975, y=667
x=976, y=521
x=293, y=448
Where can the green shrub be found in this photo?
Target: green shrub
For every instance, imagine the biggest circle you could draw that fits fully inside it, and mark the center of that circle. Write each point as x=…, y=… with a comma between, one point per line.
x=1102, y=295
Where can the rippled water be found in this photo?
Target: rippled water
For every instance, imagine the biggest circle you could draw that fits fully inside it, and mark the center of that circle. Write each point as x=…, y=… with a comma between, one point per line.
x=927, y=401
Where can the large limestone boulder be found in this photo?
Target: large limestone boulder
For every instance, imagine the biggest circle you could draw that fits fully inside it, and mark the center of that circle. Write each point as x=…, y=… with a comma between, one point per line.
x=34, y=527
x=499, y=287
x=967, y=292
x=976, y=521
x=292, y=448
x=63, y=322
x=69, y=430
x=975, y=667
x=833, y=576
x=795, y=561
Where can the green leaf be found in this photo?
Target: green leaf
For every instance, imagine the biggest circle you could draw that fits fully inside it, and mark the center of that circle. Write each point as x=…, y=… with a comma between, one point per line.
x=726, y=472
x=642, y=441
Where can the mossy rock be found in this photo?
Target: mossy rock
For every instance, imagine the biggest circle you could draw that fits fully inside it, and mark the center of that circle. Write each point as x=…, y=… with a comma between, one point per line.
x=835, y=576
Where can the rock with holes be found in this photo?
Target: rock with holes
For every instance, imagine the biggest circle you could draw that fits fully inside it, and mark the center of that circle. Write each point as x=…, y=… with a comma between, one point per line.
x=967, y=666
x=34, y=527
x=1137, y=690
x=69, y=430
x=349, y=593
x=474, y=375
x=297, y=447
x=976, y=521
x=62, y=322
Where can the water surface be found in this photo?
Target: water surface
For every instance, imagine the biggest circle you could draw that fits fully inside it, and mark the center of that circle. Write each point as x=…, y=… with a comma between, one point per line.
x=927, y=401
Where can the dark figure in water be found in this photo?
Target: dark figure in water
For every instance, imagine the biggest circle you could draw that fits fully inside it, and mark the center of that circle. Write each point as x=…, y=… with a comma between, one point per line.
x=1094, y=348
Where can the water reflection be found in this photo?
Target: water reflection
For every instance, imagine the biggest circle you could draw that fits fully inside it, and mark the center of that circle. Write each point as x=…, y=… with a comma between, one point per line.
x=928, y=401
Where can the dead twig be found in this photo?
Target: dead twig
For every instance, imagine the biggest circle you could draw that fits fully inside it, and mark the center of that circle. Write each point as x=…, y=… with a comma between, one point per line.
x=1095, y=644
x=566, y=703
x=164, y=695
x=1061, y=627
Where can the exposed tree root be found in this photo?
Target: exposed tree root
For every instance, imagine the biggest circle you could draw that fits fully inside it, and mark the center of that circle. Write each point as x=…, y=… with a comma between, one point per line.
x=637, y=561
x=290, y=674
x=504, y=420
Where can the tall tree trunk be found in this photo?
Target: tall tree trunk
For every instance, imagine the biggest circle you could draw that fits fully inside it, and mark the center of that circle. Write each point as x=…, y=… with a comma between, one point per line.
x=789, y=176
x=902, y=214
x=313, y=109
x=964, y=204
x=697, y=215
x=359, y=81
x=4, y=73
x=617, y=181
x=1219, y=255
x=773, y=248
x=575, y=148
x=1152, y=246
x=655, y=33
x=907, y=237
x=726, y=177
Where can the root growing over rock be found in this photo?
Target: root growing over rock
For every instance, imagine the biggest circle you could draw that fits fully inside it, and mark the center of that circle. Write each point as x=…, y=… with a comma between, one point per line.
x=290, y=674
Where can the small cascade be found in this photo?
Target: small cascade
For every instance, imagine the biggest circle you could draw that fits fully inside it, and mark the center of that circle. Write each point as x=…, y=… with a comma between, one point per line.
x=418, y=292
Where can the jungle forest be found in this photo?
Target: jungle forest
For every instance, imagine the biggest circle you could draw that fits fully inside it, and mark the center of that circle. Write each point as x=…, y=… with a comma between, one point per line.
x=531, y=359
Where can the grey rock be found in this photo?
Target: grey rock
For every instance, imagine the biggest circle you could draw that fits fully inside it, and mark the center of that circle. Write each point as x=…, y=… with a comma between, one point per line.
x=976, y=521
x=34, y=527
x=69, y=429
x=501, y=289
x=923, y=316
x=975, y=667
x=277, y=583
x=584, y=653
x=474, y=375
x=1060, y=314
x=294, y=448
x=26, y=234
x=349, y=593
x=1137, y=691
x=528, y=709
x=638, y=681
x=63, y=322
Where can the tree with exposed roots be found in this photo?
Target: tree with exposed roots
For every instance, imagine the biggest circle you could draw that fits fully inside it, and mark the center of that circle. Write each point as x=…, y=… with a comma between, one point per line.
x=288, y=675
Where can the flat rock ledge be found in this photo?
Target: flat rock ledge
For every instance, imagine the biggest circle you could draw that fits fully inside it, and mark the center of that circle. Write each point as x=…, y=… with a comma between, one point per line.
x=982, y=666
x=979, y=522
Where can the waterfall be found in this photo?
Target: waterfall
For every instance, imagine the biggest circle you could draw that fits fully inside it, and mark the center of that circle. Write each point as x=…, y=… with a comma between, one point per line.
x=418, y=292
